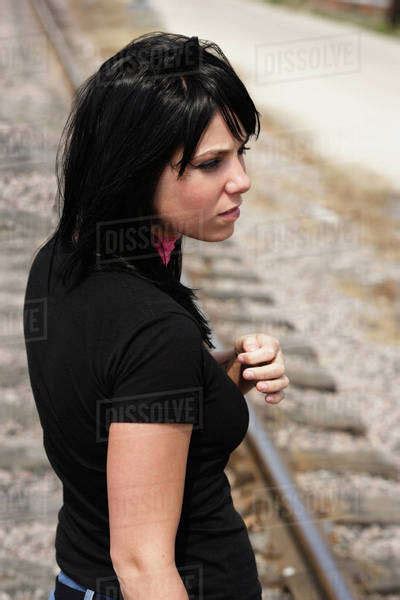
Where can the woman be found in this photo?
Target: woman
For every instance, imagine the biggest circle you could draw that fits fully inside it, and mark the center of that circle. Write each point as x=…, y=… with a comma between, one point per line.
x=139, y=417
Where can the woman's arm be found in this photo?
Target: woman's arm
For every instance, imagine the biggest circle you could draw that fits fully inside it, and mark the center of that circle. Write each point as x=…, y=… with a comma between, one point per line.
x=261, y=359
x=228, y=360
x=223, y=357
x=146, y=465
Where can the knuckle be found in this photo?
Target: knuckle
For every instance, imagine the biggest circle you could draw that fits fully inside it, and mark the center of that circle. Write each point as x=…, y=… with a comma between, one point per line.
x=272, y=343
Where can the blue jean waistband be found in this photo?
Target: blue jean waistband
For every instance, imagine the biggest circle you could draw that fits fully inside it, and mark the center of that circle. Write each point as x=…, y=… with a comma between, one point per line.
x=66, y=580
x=70, y=582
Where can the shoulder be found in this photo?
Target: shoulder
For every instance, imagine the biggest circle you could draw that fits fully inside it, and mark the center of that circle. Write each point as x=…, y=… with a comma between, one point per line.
x=125, y=290
x=131, y=303
x=151, y=338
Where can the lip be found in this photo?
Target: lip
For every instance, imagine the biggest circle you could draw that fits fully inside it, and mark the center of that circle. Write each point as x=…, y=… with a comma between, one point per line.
x=231, y=215
x=231, y=210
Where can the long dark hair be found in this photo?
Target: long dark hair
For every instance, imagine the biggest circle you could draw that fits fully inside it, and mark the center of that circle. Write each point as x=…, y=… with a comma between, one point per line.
x=127, y=120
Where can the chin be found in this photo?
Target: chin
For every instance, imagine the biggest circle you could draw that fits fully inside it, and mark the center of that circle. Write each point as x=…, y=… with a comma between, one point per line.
x=213, y=235
x=218, y=236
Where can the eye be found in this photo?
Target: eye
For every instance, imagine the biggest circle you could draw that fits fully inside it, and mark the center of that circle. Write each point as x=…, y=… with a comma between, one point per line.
x=213, y=164
x=209, y=165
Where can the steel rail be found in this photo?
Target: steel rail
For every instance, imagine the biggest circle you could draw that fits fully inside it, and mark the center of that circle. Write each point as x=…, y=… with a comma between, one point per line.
x=307, y=535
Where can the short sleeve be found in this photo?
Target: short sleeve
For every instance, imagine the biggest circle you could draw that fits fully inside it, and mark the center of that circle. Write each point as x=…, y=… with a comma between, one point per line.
x=159, y=374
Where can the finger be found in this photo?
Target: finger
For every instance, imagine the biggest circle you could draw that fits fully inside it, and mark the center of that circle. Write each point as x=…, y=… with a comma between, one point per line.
x=263, y=354
x=275, y=398
x=272, y=371
x=250, y=343
x=273, y=385
x=260, y=339
x=253, y=341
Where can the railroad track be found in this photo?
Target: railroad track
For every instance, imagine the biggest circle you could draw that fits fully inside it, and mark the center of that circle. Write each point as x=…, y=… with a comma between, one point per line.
x=291, y=497
x=293, y=521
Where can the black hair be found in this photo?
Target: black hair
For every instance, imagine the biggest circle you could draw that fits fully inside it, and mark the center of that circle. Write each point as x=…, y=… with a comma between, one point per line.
x=126, y=122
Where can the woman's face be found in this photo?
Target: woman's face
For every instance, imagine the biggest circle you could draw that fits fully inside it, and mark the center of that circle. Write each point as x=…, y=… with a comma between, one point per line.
x=211, y=184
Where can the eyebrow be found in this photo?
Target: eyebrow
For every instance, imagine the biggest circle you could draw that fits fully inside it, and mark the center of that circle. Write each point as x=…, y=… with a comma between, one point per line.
x=220, y=150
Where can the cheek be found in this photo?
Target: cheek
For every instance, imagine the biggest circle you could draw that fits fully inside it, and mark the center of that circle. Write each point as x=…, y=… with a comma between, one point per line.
x=199, y=203
x=191, y=205
x=188, y=213
x=200, y=195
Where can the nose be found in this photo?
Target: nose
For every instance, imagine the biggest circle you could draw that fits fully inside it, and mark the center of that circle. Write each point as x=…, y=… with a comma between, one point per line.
x=238, y=181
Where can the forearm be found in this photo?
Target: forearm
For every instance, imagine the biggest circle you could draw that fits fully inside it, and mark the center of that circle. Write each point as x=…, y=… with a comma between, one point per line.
x=152, y=583
x=223, y=357
x=233, y=368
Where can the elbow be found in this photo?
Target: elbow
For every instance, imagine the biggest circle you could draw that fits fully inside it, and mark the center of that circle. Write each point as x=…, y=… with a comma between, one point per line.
x=123, y=562
x=129, y=562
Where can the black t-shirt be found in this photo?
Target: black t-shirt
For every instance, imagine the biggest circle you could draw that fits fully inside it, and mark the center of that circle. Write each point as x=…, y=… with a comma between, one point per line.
x=117, y=348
